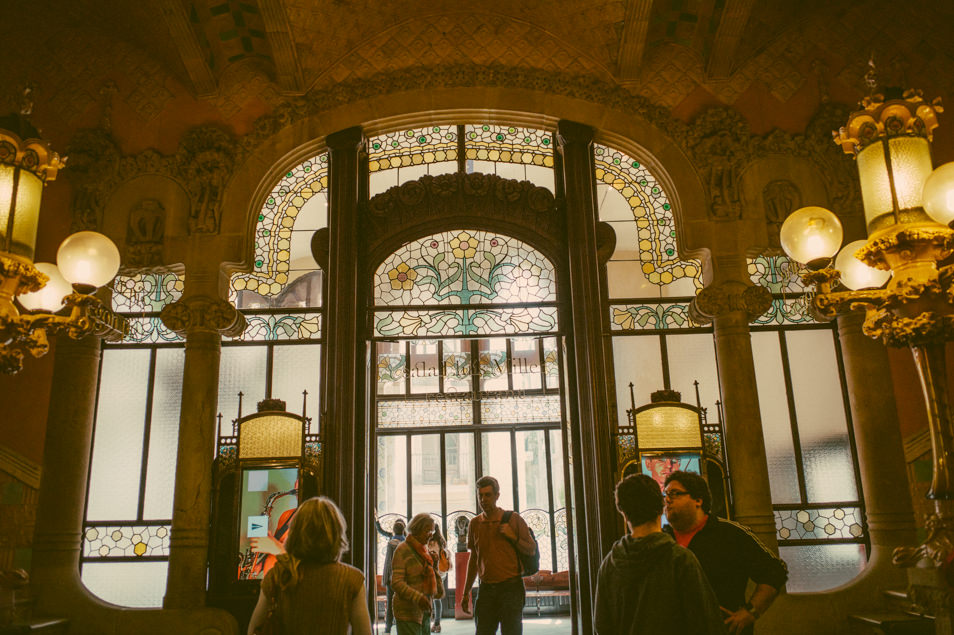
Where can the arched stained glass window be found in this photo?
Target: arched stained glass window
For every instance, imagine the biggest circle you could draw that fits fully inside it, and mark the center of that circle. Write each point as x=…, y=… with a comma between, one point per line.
x=512, y=152
x=284, y=272
x=465, y=282
x=125, y=543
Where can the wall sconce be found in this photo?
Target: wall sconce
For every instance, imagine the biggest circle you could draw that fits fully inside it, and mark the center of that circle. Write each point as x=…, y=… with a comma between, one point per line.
x=907, y=211
x=87, y=260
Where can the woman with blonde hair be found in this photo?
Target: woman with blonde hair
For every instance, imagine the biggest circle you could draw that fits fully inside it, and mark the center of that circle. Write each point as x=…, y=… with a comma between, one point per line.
x=310, y=589
x=415, y=579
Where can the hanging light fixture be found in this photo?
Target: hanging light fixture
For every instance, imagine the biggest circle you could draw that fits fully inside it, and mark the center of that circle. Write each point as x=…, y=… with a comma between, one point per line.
x=87, y=260
x=907, y=211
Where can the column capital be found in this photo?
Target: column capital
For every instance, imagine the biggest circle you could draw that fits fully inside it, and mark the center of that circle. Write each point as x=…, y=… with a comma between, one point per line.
x=347, y=139
x=572, y=132
x=728, y=297
x=203, y=314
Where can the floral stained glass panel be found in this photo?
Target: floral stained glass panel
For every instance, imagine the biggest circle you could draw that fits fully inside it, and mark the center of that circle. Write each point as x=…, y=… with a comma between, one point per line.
x=509, y=144
x=150, y=330
x=416, y=146
x=451, y=322
x=271, y=327
x=651, y=316
x=778, y=274
x=146, y=292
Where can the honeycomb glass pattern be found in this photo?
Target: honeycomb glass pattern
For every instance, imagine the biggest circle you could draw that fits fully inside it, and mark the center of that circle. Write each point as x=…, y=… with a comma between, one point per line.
x=115, y=541
x=417, y=146
x=293, y=210
x=508, y=144
x=819, y=524
x=651, y=212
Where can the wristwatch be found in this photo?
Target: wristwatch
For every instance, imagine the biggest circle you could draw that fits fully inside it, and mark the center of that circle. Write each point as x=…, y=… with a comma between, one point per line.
x=751, y=609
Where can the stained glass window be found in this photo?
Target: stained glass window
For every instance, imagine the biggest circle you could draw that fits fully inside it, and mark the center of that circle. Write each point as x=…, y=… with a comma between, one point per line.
x=140, y=298
x=791, y=301
x=469, y=268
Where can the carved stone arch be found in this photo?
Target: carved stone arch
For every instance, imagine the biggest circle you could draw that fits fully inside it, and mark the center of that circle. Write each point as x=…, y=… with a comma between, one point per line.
x=487, y=202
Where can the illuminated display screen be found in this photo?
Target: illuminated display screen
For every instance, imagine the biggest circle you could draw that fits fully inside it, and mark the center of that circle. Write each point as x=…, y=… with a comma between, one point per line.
x=269, y=500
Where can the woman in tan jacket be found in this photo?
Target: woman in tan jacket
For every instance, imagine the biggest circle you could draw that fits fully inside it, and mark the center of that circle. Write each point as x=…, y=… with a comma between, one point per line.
x=415, y=579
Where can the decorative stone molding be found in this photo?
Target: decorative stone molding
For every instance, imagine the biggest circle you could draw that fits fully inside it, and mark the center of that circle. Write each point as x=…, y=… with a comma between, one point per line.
x=720, y=299
x=203, y=314
x=781, y=198
x=205, y=160
x=486, y=196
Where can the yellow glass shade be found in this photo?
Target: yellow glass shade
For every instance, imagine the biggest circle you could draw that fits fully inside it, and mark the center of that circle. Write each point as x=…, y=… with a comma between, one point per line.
x=270, y=436
x=20, y=193
x=50, y=297
x=938, y=196
x=665, y=426
x=811, y=234
x=856, y=274
x=910, y=166
x=88, y=258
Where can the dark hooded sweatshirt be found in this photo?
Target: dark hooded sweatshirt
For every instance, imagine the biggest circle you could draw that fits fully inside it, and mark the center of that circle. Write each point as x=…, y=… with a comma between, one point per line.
x=652, y=585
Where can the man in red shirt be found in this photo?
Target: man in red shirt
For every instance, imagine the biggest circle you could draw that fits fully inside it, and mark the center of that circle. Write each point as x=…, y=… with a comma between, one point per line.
x=493, y=548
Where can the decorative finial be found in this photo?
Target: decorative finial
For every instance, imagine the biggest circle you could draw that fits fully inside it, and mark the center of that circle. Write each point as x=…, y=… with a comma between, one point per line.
x=871, y=76
x=26, y=101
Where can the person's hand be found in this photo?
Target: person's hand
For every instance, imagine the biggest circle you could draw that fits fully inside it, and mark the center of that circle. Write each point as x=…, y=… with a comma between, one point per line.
x=737, y=621
x=507, y=532
x=267, y=545
x=465, y=602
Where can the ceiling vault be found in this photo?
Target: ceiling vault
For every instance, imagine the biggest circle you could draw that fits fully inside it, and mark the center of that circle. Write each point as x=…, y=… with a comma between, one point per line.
x=190, y=50
x=735, y=15
x=288, y=72
x=633, y=44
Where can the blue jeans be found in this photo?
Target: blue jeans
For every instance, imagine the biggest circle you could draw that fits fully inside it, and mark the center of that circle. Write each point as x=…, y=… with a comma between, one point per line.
x=500, y=603
x=388, y=611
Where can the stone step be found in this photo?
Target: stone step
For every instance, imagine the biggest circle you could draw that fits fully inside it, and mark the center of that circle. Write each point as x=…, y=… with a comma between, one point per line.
x=37, y=626
x=891, y=623
x=898, y=600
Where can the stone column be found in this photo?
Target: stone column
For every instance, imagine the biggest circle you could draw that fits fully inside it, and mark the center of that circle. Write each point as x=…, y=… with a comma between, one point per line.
x=342, y=426
x=200, y=319
x=595, y=516
x=59, y=515
x=877, y=436
x=730, y=306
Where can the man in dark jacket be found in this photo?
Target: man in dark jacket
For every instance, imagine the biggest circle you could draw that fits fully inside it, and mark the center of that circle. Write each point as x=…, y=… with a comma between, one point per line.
x=648, y=583
x=729, y=553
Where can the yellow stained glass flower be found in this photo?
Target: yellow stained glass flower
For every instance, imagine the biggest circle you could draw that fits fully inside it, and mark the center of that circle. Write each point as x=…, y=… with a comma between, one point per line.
x=402, y=277
x=463, y=245
x=623, y=318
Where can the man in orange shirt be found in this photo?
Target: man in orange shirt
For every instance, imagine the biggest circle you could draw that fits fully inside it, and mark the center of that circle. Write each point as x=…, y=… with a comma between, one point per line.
x=493, y=545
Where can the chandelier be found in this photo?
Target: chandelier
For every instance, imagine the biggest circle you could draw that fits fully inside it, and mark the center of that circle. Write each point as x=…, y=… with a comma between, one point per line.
x=38, y=300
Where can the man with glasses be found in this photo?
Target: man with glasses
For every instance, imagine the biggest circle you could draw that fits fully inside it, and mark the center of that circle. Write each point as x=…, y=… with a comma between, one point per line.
x=729, y=553
x=648, y=583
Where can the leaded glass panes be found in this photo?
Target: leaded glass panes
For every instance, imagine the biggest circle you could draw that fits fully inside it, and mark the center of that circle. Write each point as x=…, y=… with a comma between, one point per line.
x=415, y=146
x=150, y=330
x=819, y=524
x=273, y=327
x=425, y=473
x=496, y=462
x=522, y=409
x=293, y=210
x=459, y=461
x=510, y=152
x=146, y=292
x=646, y=261
x=534, y=487
x=796, y=310
x=424, y=412
x=638, y=316
x=464, y=267
x=116, y=464
x=126, y=541
x=455, y=322
x=778, y=274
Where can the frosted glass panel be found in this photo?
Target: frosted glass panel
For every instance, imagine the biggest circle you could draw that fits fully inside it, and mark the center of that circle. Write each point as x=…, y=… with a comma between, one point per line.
x=116, y=466
x=692, y=358
x=637, y=359
x=294, y=369
x=164, y=434
x=532, y=485
x=426, y=474
x=461, y=480
x=242, y=368
x=820, y=411
x=392, y=475
x=135, y=584
x=495, y=449
x=556, y=466
x=813, y=568
x=776, y=422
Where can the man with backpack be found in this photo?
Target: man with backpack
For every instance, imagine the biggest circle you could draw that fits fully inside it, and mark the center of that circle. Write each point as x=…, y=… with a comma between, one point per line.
x=394, y=539
x=502, y=550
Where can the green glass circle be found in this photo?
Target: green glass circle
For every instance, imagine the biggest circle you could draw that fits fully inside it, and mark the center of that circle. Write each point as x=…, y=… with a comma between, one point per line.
x=376, y=146
x=669, y=252
x=486, y=128
x=258, y=263
x=635, y=164
x=261, y=217
x=666, y=206
x=422, y=139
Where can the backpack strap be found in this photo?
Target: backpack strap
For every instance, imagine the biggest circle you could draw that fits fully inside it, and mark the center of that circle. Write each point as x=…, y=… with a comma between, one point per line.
x=506, y=517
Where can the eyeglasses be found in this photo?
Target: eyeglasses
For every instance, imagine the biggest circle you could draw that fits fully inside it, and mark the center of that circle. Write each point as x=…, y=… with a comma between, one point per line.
x=675, y=493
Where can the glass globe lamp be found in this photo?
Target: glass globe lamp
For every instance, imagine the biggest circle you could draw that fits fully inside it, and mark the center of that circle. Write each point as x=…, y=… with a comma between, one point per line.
x=856, y=274
x=938, y=196
x=811, y=236
x=88, y=259
x=50, y=297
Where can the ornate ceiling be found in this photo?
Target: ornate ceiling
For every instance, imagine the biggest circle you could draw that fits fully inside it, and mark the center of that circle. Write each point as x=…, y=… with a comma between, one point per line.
x=230, y=61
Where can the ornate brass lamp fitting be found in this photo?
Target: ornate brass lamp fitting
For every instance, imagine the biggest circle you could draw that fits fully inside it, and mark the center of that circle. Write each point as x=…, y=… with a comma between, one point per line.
x=26, y=165
x=890, y=139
